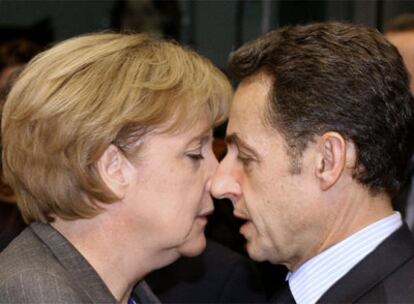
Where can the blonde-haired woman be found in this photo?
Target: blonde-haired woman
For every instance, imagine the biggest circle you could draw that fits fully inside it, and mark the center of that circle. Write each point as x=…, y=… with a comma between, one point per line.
x=107, y=145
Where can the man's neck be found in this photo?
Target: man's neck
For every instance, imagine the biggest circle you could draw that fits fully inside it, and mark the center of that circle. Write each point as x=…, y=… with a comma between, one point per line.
x=358, y=211
x=351, y=212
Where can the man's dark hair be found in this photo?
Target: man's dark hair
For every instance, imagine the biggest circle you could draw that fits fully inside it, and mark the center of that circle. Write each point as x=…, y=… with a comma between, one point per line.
x=337, y=77
x=401, y=23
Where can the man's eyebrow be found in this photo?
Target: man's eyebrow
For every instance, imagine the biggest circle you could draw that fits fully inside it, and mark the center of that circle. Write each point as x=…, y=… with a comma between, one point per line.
x=234, y=139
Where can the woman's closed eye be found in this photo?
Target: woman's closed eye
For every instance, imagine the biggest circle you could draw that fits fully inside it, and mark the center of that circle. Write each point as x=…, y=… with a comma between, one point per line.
x=195, y=156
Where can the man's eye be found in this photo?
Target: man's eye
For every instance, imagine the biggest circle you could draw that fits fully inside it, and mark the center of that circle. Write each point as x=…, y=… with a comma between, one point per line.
x=196, y=157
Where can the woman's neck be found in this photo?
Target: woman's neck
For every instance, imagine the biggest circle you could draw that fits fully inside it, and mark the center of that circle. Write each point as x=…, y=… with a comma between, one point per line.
x=111, y=256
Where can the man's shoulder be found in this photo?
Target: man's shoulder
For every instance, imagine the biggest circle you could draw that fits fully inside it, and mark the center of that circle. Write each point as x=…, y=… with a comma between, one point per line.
x=399, y=285
x=383, y=275
x=219, y=275
x=227, y=258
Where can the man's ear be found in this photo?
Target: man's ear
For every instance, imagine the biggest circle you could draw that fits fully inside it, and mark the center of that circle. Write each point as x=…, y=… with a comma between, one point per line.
x=112, y=169
x=331, y=160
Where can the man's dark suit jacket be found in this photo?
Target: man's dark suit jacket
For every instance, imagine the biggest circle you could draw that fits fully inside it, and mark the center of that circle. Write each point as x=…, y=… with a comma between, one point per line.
x=219, y=275
x=386, y=275
x=41, y=266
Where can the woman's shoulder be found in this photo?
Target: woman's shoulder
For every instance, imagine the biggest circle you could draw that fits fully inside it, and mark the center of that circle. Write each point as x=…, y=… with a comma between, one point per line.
x=27, y=254
x=31, y=274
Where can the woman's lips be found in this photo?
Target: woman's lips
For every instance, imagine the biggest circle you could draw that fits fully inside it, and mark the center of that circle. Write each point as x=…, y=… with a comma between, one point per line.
x=206, y=213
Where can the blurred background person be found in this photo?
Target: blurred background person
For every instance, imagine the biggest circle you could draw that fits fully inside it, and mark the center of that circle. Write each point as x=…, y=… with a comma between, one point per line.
x=400, y=32
x=14, y=55
x=218, y=275
x=158, y=17
x=107, y=146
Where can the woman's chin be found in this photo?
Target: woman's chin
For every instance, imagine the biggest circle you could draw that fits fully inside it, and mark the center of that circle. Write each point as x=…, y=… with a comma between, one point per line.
x=193, y=246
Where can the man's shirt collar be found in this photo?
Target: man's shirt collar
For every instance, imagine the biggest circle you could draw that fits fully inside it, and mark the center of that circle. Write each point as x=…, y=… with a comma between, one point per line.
x=312, y=279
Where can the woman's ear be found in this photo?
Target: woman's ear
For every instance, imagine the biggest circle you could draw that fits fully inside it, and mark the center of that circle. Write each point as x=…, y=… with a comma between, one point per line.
x=112, y=167
x=331, y=160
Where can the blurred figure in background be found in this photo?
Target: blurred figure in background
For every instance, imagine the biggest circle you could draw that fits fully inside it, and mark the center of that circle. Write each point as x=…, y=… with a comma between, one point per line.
x=218, y=275
x=159, y=17
x=14, y=55
x=400, y=32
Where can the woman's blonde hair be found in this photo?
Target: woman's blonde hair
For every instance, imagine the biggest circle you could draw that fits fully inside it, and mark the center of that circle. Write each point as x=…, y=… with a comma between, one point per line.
x=74, y=100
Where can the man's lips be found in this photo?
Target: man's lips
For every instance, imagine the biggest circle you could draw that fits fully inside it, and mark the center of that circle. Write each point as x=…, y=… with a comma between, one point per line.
x=244, y=221
x=245, y=228
x=240, y=215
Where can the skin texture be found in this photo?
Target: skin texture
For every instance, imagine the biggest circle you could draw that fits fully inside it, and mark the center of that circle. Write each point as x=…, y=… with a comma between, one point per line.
x=256, y=176
x=404, y=42
x=290, y=217
x=171, y=178
x=164, y=198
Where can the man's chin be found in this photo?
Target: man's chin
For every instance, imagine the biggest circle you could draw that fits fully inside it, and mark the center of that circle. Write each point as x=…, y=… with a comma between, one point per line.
x=255, y=253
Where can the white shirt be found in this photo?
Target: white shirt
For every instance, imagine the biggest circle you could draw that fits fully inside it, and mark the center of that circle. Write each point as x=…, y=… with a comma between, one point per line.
x=312, y=279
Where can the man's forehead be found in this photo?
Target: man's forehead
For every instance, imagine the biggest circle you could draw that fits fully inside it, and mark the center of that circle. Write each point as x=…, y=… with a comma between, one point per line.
x=404, y=41
x=250, y=102
x=403, y=36
x=261, y=82
x=247, y=115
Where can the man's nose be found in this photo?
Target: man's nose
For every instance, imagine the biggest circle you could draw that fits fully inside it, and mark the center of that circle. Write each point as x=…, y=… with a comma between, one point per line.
x=224, y=183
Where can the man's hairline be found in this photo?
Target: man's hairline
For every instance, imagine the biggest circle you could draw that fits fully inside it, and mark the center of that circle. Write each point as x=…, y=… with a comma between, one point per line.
x=264, y=77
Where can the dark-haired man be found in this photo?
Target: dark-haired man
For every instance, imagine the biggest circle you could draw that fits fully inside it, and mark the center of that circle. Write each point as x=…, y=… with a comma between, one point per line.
x=320, y=131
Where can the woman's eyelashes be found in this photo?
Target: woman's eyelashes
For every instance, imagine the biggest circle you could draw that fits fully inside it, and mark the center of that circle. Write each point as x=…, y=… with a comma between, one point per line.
x=195, y=155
